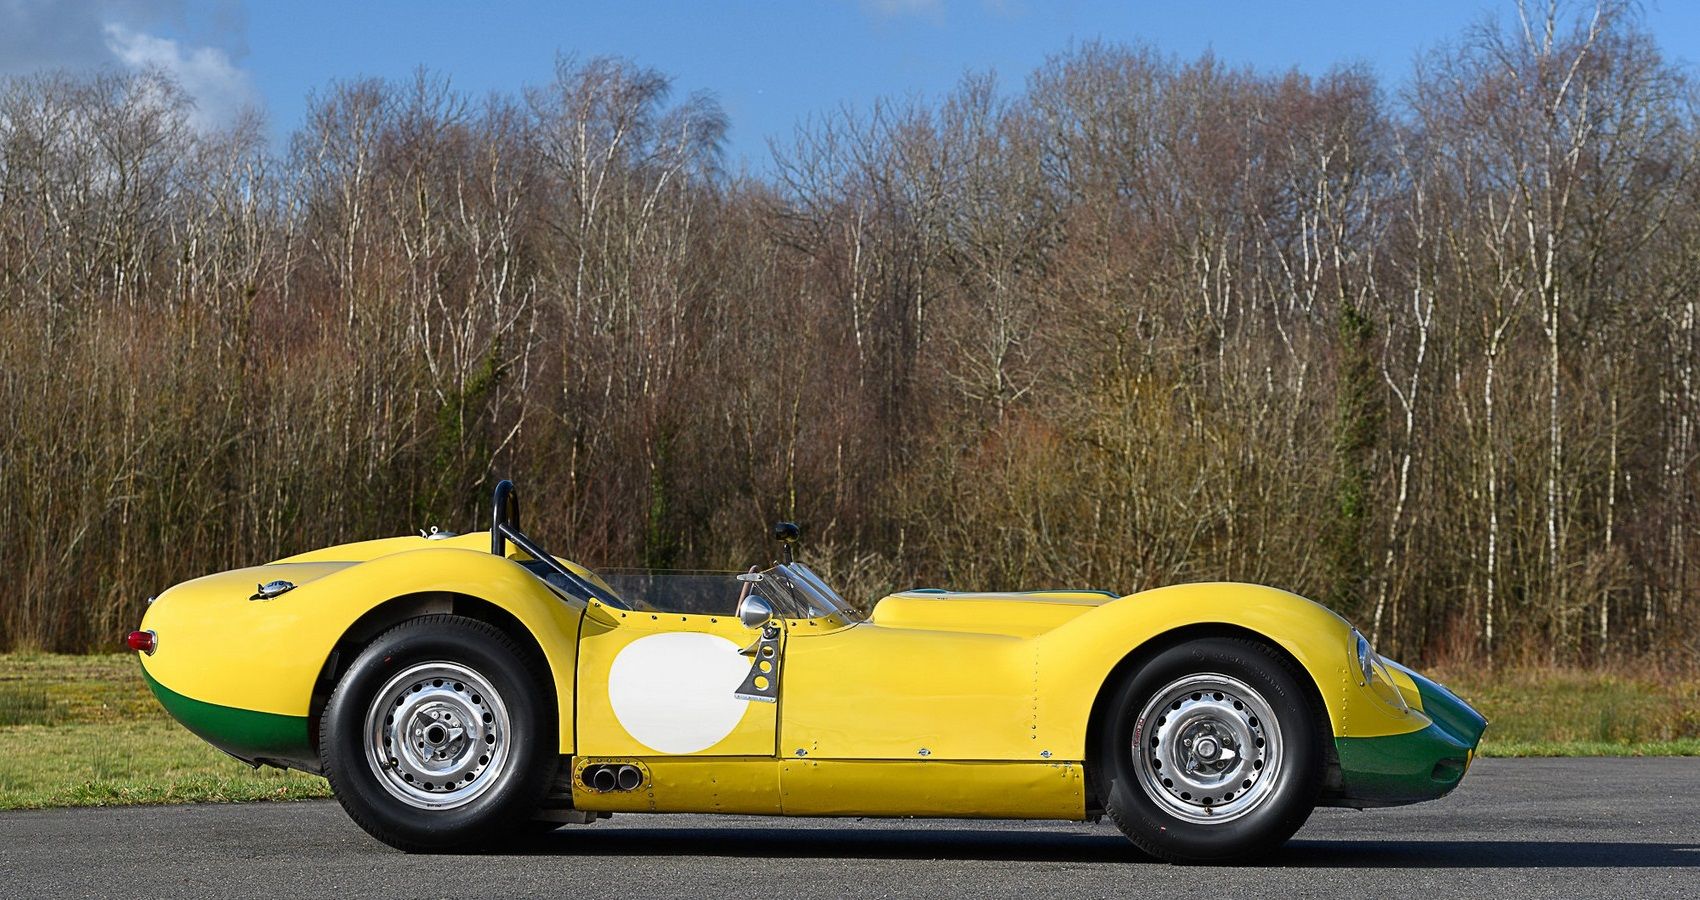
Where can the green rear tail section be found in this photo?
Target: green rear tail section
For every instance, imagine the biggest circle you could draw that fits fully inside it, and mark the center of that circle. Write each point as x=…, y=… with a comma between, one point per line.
x=250, y=736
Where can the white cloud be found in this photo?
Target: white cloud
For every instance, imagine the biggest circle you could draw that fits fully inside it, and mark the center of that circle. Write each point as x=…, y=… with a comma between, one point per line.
x=202, y=54
x=220, y=89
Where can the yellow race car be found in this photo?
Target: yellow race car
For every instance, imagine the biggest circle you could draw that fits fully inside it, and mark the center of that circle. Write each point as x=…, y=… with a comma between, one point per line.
x=456, y=690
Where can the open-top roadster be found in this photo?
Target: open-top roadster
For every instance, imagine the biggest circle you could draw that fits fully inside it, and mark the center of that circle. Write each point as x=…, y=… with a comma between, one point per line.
x=457, y=689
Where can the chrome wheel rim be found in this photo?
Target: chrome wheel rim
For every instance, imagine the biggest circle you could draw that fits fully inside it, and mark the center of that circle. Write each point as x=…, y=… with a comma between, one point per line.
x=1207, y=749
x=437, y=735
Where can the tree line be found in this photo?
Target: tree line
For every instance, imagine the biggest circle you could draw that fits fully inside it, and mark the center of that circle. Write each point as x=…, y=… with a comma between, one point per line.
x=1425, y=352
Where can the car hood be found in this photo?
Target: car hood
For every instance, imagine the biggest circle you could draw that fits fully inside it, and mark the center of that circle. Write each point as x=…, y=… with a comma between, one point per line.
x=1020, y=614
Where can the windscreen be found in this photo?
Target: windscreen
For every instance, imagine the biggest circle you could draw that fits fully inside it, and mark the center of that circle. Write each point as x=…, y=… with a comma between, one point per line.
x=798, y=593
x=795, y=591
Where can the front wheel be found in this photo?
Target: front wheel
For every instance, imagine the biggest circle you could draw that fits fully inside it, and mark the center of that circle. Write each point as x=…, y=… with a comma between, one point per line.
x=1212, y=752
x=440, y=735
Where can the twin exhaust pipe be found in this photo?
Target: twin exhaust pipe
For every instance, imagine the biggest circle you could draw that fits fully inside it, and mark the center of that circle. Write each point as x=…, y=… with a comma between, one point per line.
x=608, y=778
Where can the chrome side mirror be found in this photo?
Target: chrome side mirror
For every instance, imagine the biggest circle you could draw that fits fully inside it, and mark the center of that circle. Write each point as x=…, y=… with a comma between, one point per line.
x=754, y=611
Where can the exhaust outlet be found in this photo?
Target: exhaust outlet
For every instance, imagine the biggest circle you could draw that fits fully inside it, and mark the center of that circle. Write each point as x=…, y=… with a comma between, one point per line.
x=628, y=778
x=602, y=778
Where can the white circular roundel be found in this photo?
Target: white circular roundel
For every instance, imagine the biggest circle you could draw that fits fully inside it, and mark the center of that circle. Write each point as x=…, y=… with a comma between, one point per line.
x=673, y=692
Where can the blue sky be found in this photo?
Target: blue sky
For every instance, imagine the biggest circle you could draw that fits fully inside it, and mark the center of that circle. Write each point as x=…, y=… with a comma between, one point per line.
x=770, y=64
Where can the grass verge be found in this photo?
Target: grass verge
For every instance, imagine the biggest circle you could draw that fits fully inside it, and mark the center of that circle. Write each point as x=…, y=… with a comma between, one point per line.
x=1574, y=712
x=84, y=731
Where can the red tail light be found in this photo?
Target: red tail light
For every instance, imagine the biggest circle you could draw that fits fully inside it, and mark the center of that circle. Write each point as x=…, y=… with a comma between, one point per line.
x=142, y=641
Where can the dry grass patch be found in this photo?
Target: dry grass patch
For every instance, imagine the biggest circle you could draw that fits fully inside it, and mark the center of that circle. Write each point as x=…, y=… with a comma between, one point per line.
x=1577, y=712
x=84, y=731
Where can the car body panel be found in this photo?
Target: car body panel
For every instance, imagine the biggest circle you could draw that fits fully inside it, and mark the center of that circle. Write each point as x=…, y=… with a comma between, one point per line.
x=965, y=687
x=246, y=734
x=825, y=787
x=683, y=784
x=1088, y=648
x=957, y=789
x=869, y=691
x=663, y=683
x=939, y=703
x=1414, y=766
x=220, y=648
x=1014, y=614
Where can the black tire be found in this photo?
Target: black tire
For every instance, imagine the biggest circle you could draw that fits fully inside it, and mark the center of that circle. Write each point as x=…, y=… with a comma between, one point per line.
x=521, y=758
x=1273, y=800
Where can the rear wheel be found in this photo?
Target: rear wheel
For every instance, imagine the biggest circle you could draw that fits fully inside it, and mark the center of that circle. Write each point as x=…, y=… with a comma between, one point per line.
x=440, y=735
x=1211, y=752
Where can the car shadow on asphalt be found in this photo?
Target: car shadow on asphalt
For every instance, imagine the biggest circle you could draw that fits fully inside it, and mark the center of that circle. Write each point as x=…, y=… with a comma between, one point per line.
x=1042, y=846
x=1531, y=854
x=836, y=843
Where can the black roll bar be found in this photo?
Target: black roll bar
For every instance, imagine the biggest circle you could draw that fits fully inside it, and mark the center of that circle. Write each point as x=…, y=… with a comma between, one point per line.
x=505, y=512
x=504, y=527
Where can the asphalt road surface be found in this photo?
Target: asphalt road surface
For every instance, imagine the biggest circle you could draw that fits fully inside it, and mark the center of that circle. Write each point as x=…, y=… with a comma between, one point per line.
x=1516, y=828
